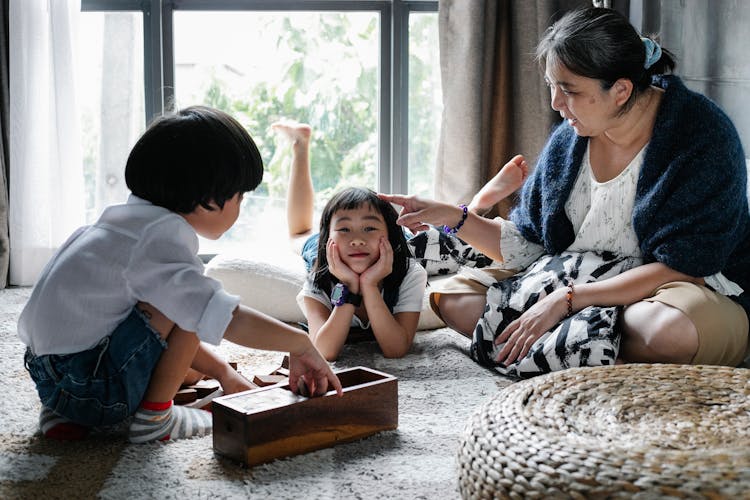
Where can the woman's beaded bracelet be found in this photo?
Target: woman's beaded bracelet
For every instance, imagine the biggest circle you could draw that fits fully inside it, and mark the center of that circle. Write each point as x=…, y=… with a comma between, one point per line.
x=454, y=230
x=569, y=298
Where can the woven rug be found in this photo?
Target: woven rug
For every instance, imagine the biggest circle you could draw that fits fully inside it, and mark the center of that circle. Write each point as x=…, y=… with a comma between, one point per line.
x=439, y=388
x=643, y=431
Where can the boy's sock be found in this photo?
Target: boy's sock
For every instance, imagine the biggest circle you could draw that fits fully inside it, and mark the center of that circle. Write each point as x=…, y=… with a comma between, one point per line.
x=163, y=421
x=54, y=426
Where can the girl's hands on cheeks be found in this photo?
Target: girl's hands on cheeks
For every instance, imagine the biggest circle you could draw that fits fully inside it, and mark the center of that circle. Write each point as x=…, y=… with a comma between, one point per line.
x=340, y=270
x=380, y=268
x=521, y=334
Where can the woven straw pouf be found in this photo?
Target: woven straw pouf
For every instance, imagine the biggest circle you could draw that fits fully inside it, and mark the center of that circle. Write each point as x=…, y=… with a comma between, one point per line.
x=628, y=431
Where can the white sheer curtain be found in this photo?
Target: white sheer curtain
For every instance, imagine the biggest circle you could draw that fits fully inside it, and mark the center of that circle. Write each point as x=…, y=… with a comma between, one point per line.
x=46, y=174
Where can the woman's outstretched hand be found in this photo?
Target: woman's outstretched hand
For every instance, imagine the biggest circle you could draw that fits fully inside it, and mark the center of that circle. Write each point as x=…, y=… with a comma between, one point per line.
x=417, y=214
x=523, y=332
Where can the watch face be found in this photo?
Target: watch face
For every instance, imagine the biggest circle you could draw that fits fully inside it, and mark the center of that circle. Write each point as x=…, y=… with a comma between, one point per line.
x=338, y=295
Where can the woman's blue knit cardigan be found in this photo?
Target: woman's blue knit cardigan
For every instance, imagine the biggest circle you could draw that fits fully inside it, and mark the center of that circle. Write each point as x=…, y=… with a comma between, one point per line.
x=691, y=207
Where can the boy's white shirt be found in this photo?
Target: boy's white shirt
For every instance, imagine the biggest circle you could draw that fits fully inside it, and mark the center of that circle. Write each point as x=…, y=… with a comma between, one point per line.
x=136, y=251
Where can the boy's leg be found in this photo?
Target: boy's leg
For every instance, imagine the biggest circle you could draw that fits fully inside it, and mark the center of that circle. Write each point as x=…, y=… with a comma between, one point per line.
x=173, y=365
x=157, y=418
x=300, y=193
x=193, y=377
x=96, y=387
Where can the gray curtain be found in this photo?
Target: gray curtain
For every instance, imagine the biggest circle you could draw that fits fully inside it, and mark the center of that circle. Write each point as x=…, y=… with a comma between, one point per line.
x=709, y=40
x=4, y=123
x=495, y=103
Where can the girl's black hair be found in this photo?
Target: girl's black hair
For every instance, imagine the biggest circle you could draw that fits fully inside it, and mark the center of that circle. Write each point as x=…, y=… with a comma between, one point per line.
x=602, y=44
x=351, y=198
x=195, y=156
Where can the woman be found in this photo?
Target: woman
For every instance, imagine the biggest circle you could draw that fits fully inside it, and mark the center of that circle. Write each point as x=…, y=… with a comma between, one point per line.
x=640, y=170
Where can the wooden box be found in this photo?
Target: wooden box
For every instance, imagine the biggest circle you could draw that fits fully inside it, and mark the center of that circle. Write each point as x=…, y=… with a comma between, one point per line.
x=261, y=425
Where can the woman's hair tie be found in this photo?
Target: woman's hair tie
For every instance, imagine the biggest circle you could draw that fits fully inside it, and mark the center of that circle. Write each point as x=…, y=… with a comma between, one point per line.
x=653, y=52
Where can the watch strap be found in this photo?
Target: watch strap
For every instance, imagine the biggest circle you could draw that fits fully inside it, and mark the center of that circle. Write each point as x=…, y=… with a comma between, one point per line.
x=354, y=299
x=341, y=295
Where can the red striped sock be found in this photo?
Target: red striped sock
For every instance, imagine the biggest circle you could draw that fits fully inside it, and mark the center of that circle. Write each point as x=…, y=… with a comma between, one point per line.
x=54, y=426
x=156, y=405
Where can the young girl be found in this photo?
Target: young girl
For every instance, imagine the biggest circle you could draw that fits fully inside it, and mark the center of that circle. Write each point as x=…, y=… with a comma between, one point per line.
x=362, y=273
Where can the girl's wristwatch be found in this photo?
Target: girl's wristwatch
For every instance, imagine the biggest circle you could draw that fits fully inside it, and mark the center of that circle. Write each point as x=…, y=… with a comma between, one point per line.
x=341, y=295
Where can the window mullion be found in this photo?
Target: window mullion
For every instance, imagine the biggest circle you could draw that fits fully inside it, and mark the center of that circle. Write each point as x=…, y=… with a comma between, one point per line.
x=152, y=58
x=385, y=156
x=167, y=90
x=400, y=101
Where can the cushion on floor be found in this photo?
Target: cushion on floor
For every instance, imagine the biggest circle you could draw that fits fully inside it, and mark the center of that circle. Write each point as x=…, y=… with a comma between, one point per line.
x=269, y=279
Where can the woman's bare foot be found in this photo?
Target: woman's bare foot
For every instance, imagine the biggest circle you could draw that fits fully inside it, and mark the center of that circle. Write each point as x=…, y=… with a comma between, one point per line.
x=504, y=183
x=295, y=132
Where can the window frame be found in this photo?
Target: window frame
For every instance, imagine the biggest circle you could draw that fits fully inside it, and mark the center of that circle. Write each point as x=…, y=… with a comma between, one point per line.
x=393, y=119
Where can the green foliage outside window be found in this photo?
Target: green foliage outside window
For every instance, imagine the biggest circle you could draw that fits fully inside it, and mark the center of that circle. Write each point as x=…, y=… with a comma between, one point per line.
x=341, y=106
x=343, y=117
x=320, y=68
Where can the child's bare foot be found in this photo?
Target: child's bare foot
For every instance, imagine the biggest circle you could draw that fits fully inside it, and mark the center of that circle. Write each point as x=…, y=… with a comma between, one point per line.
x=504, y=183
x=294, y=132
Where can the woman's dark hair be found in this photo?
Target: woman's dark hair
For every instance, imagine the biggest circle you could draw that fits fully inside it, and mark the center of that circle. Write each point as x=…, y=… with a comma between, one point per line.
x=348, y=199
x=601, y=44
x=195, y=156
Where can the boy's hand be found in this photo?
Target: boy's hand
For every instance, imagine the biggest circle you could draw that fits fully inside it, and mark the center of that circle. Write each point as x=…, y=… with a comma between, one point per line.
x=233, y=382
x=314, y=371
x=381, y=268
x=340, y=270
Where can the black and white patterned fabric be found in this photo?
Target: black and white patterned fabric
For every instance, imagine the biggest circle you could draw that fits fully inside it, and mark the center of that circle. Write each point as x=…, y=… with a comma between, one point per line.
x=588, y=338
x=442, y=254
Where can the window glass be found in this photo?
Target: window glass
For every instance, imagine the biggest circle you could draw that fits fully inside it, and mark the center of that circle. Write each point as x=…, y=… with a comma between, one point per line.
x=110, y=100
x=313, y=67
x=425, y=101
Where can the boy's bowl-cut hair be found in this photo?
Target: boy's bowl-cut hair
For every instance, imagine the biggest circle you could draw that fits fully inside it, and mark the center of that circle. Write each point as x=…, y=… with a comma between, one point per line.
x=195, y=156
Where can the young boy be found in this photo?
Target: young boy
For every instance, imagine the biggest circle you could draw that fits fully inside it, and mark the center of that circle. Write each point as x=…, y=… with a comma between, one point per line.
x=120, y=314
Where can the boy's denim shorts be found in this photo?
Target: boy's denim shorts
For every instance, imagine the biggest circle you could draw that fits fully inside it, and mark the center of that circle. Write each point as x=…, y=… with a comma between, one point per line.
x=105, y=384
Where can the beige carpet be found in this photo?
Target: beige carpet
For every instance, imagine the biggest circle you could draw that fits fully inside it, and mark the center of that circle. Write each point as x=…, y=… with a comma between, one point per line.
x=439, y=388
